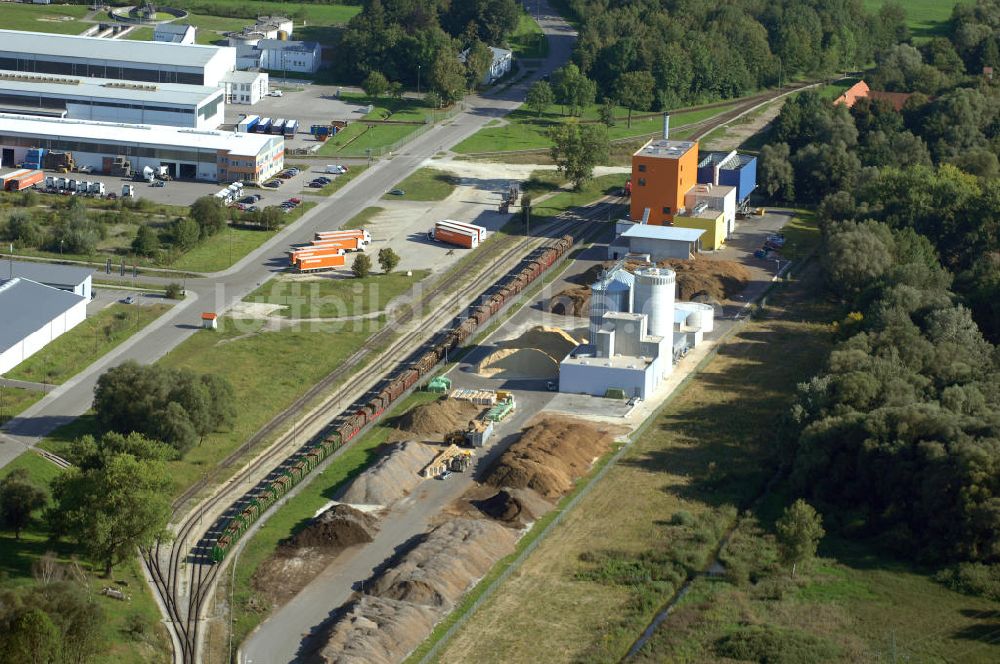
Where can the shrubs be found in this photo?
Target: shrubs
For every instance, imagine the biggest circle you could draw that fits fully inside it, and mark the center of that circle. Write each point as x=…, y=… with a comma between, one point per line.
x=973, y=579
x=174, y=291
x=772, y=645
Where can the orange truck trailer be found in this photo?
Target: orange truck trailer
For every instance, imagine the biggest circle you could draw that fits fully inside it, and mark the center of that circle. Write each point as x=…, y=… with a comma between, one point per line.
x=295, y=254
x=23, y=181
x=317, y=262
x=346, y=243
x=362, y=233
x=458, y=234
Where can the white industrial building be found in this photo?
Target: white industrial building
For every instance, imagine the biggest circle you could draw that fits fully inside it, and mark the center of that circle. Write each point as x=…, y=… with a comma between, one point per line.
x=714, y=197
x=110, y=100
x=64, y=277
x=246, y=87
x=278, y=55
x=93, y=57
x=196, y=154
x=658, y=243
x=174, y=33
x=31, y=316
x=637, y=330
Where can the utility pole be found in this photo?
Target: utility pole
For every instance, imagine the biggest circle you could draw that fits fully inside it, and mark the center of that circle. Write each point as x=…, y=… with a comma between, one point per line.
x=418, y=79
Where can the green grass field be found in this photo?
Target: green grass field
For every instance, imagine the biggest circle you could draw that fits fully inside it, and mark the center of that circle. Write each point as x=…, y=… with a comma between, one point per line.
x=221, y=250
x=564, y=200
x=358, y=137
x=13, y=400
x=77, y=349
x=62, y=19
x=312, y=13
x=525, y=131
x=18, y=556
x=335, y=297
x=363, y=218
x=926, y=18
x=425, y=184
x=528, y=40
x=141, y=34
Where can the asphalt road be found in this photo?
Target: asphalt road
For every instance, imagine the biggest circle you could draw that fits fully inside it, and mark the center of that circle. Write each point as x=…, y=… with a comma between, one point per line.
x=219, y=291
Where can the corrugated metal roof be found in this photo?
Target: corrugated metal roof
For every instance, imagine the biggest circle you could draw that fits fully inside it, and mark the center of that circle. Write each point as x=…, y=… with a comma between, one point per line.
x=674, y=233
x=46, y=273
x=27, y=306
x=617, y=280
x=72, y=87
x=136, y=134
x=21, y=43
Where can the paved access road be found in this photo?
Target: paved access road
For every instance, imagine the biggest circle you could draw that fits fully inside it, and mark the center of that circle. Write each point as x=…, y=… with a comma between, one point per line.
x=219, y=291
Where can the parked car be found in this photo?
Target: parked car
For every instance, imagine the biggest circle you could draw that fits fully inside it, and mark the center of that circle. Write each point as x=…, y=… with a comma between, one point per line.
x=159, y=183
x=445, y=475
x=127, y=300
x=397, y=192
x=276, y=93
x=272, y=184
x=324, y=180
x=336, y=169
x=297, y=201
x=248, y=200
x=316, y=185
x=252, y=208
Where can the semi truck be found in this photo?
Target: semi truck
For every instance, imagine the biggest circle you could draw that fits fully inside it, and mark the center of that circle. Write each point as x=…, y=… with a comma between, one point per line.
x=320, y=262
x=291, y=127
x=278, y=127
x=264, y=126
x=459, y=234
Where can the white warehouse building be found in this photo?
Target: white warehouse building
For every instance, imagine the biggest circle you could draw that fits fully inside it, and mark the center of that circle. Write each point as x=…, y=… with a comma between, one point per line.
x=195, y=154
x=109, y=100
x=64, y=277
x=278, y=55
x=42, y=314
x=127, y=60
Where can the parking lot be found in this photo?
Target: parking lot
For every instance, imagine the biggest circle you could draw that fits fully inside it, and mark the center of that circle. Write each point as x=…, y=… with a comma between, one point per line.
x=309, y=104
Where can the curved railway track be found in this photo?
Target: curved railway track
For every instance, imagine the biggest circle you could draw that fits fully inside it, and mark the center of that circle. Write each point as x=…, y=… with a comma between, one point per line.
x=185, y=596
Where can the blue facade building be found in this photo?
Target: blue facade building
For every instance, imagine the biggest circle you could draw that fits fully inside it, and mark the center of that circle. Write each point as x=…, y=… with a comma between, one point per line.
x=731, y=169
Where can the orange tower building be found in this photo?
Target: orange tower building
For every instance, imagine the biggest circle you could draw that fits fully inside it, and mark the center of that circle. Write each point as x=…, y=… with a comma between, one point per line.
x=662, y=172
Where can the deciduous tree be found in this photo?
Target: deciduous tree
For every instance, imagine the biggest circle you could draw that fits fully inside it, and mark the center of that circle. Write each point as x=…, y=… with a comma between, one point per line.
x=635, y=91
x=576, y=149
x=375, y=84
x=539, y=97
x=799, y=531
x=388, y=259
x=19, y=497
x=362, y=266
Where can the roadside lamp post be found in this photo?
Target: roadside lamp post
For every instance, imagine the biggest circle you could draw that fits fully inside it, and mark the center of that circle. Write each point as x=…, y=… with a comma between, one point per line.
x=418, y=79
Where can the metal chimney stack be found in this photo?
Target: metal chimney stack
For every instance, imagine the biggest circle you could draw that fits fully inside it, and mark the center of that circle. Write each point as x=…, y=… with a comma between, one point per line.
x=666, y=126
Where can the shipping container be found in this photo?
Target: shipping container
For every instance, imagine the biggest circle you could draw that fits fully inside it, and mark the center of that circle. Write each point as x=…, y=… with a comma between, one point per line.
x=264, y=126
x=22, y=182
x=479, y=230
x=291, y=127
x=318, y=263
x=277, y=127
x=345, y=243
x=363, y=233
x=6, y=177
x=248, y=123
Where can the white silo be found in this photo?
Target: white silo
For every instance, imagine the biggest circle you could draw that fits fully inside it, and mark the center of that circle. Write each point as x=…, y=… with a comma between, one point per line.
x=653, y=295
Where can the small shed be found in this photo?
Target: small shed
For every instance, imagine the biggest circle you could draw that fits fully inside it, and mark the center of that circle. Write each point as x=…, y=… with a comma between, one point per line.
x=210, y=320
x=659, y=242
x=709, y=220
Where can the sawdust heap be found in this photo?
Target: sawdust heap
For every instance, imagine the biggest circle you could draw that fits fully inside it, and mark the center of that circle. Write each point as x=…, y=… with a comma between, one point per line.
x=703, y=278
x=375, y=630
x=514, y=507
x=515, y=363
x=439, y=570
x=574, y=301
x=437, y=418
x=719, y=280
x=339, y=527
x=552, y=341
x=392, y=477
x=407, y=600
x=550, y=456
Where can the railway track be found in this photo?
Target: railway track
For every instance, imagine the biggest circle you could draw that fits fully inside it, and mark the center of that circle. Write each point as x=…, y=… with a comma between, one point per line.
x=185, y=596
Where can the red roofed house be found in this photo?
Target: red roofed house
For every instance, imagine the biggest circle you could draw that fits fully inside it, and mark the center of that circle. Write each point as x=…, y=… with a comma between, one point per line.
x=860, y=90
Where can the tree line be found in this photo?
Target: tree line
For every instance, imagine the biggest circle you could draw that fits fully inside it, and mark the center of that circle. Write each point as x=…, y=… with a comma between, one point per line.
x=899, y=435
x=413, y=42
x=681, y=52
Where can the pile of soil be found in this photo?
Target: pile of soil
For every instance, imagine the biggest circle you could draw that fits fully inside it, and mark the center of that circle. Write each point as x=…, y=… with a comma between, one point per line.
x=514, y=507
x=519, y=363
x=439, y=570
x=437, y=418
x=339, y=527
x=706, y=278
x=375, y=630
x=550, y=455
x=392, y=477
